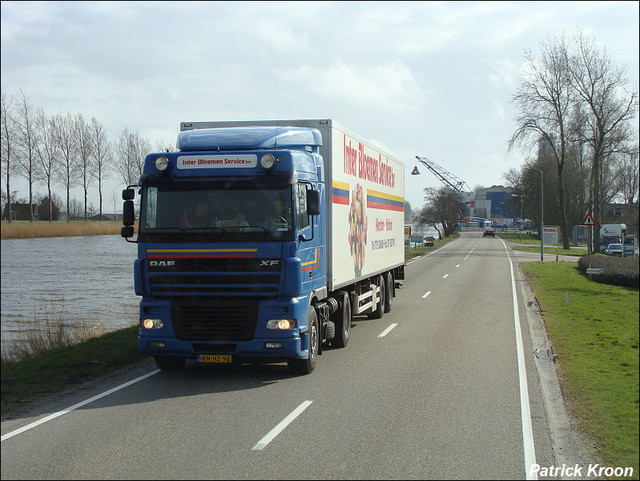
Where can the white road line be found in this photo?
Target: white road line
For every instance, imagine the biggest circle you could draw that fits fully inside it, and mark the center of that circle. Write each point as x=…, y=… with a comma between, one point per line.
x=445, y=276
x=525, y=409
x=457, y=266
x=426, y=294
x=387, y=330
x=76, y=406
x=281, y=426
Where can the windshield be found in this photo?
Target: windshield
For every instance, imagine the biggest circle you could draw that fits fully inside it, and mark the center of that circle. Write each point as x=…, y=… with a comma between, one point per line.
x=193, y=212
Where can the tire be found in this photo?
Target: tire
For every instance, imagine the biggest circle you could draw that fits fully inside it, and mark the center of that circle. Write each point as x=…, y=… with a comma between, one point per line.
x=306, y=366
x=169, y=363
x=379, y=311
x=388, y=301
x=342, y=321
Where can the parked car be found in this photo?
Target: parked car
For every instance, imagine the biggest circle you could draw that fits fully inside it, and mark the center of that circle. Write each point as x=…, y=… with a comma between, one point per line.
x=614, y=249
x=489, y=231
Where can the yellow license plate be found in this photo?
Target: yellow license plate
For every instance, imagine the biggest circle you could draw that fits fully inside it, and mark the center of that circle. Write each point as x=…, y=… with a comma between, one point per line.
x=214, y=358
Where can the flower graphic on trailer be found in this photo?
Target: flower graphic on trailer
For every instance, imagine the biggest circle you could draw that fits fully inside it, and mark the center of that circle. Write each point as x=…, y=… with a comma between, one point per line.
x=357, y=228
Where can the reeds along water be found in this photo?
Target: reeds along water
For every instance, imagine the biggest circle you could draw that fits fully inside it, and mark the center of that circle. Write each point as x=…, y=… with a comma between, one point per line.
x=26, y=230
x=50, y=334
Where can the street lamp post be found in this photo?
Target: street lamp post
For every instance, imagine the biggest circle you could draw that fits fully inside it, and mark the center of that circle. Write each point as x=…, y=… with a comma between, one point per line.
x=541, y=213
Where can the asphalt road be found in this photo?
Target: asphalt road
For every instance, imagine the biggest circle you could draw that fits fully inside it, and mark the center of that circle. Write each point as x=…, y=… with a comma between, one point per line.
x=433, y=390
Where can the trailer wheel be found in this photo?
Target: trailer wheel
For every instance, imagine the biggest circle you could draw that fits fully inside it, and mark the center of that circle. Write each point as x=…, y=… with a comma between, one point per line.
x=169, y=363
x=343, y=322
x=306, y=366
x=388, y=301
x=379, y=311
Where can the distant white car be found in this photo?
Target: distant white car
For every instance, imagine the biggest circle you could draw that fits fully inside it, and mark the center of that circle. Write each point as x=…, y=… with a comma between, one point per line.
x=614, y=250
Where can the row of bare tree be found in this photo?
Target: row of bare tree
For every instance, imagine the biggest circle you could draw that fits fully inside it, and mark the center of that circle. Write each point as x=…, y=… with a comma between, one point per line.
x=67, y=151
x=576, y=111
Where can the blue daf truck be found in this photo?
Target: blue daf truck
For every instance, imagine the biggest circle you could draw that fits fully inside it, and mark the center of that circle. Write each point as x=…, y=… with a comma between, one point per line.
x=258, y=241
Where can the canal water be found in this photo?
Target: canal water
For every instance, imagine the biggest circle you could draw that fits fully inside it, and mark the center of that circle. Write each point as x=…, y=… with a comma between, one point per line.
x=79, y=279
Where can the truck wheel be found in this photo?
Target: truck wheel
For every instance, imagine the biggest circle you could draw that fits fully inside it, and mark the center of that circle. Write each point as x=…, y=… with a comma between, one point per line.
x=169, y=363
x=379, y=311
x=388, y=301
x=343, y=322
x=306, y=366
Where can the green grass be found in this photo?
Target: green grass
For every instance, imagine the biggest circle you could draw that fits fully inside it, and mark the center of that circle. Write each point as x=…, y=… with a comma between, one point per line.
x=531, y=243
x=595, y=337
x=61, y=368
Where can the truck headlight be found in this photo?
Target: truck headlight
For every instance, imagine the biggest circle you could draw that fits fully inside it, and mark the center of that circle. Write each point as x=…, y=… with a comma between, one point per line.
x=152, y=323
x=281, y=324
x=267, y=161
x=162, y=163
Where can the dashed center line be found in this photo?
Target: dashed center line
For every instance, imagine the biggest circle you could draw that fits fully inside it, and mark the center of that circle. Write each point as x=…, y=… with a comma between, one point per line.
x=387, y=330
x=270, y=436
x=426, y=294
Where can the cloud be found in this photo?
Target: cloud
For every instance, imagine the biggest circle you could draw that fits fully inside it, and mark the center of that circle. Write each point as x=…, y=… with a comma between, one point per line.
x=389, y=86
x=505, y=73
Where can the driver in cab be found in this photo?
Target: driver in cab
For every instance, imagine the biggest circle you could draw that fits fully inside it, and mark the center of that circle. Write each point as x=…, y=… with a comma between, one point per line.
x=197, y=216
x=276, y=217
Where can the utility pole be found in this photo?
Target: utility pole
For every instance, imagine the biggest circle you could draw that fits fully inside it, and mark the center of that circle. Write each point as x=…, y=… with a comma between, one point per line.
x=541, y=213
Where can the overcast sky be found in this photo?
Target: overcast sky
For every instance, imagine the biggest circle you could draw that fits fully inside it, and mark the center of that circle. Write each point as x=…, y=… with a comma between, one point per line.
x=433, y=79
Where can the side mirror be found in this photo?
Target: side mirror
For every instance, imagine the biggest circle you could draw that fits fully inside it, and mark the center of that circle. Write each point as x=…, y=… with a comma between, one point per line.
x=128, y=213
x=127, y=231
x=128, y=194
x=313, y=202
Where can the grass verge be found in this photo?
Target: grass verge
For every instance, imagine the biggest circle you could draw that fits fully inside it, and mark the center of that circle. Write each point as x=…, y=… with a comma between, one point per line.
x=530, y=243
x=60, y=368
x=594, y=332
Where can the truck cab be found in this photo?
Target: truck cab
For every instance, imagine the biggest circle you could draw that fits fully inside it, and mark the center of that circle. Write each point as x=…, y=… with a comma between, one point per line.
x=230, y=248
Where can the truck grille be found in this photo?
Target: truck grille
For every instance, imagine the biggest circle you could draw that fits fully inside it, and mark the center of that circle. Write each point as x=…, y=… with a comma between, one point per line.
x=214, y=319
x=215, y=277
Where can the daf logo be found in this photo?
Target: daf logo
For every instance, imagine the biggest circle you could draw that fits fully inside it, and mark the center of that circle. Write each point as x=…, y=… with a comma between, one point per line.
x=162, y=263
x=269, y=263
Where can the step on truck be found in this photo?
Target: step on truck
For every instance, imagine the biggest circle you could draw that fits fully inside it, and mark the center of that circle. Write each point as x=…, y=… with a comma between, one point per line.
x=258, y=241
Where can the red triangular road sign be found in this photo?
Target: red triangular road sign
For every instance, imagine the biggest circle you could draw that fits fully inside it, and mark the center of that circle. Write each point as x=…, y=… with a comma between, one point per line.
x=588, y=220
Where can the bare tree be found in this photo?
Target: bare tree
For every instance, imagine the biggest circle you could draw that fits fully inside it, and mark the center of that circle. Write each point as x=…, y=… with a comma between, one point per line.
x=48, y=151
x=67, y=144
x=628, y=183
x=442, y=206
x=544, y=100
x=115, y=198
x=26, y=143
x=84, y=142
x=601, y=89
x=130, y=150
x=163, y=146
x=8, y=141
x=102, y=152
